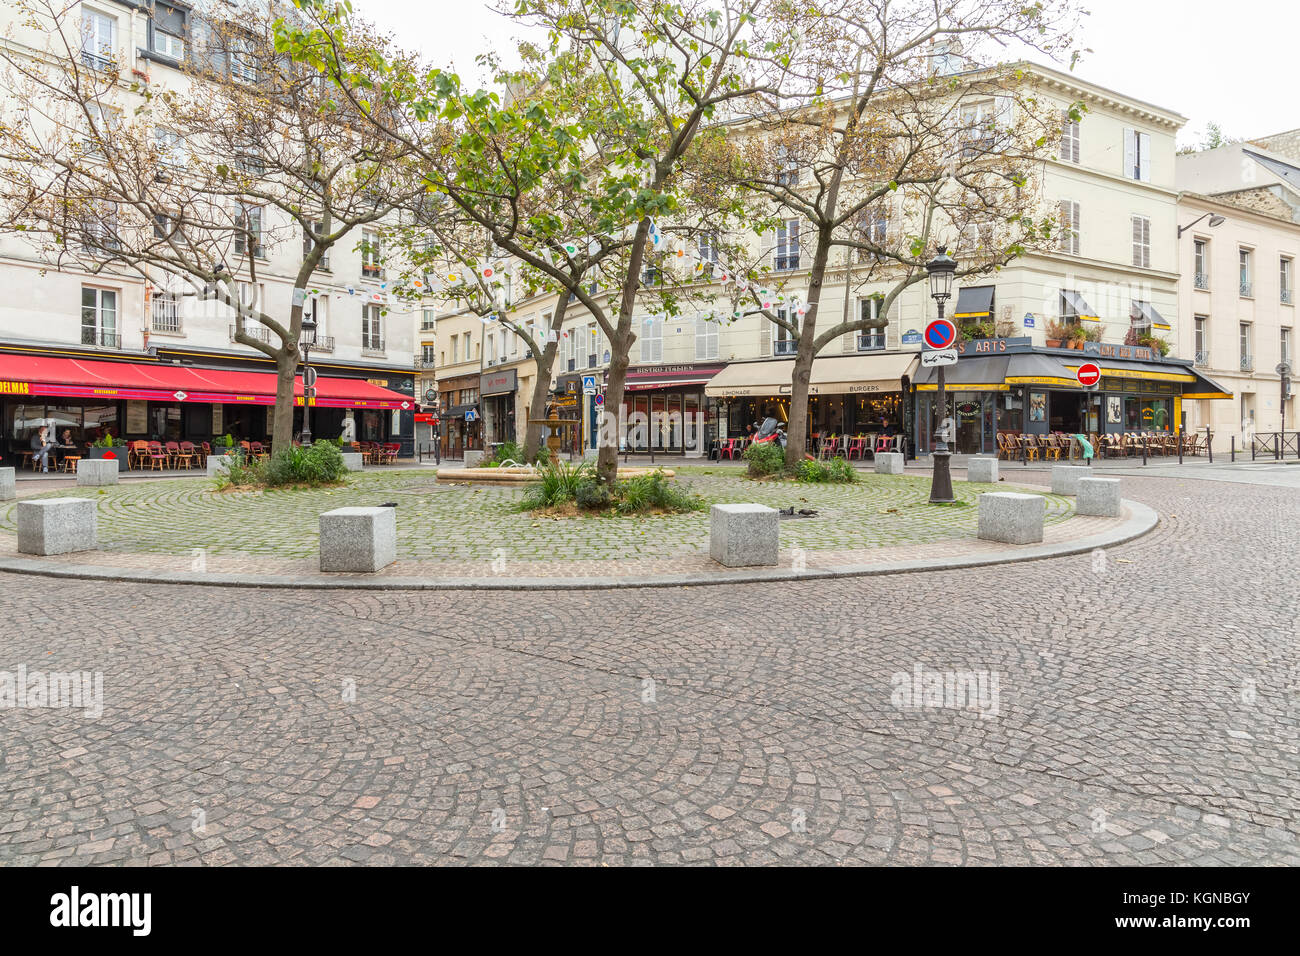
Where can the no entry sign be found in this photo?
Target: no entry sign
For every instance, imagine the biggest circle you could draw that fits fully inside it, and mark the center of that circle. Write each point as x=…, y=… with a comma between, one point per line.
x=1088, y=375
x=940, y=334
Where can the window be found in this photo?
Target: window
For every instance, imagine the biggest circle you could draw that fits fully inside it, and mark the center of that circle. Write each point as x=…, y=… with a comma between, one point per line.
x=1245, y=269
x=571, y=350
x=167, y=30
x=168, y=45
x=491, y=347
x=251, y=295
x=870, y=340
x=165, y=313
x=977, y=127
x=1199, y=341
x=163, y=225
x=708, y=244
x=170, y=145
x=1067, y=310
x=1284, y=282
x=1069, y=227
x=652, y=339
x=1142, y=242
x=706, y=338
x=99, y=318
x=875, y=230
x=455, y=349
x=1243, y=338
x=372, y=329
x=783, y=340
x=787, y=245
x=1137, y=155
x=104, y=122
x=592, y=345
x=248, y=231
x=100, y=228
x=309, y=242
x=1069, y=138
x=98, y=39
x=243, y=60
x=1200, y=264
x=371, y=255
x=1285, y=343
x=428, y=319
x=787, y=171
x=426, y=356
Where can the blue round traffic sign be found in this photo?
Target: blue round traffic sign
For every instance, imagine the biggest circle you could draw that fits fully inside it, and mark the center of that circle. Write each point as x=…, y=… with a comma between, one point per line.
x=940, y=334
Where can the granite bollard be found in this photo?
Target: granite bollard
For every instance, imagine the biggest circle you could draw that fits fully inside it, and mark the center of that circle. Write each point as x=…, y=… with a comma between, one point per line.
x=8, y=484
x=1065, y=478
x=744, y=536
x=889, y=463
x=983, y=470
x=57, y=526
x=1011, y=518
x=473, y=458
x=96, y=472
x=359, y=540
x=218, y=464
x=1098, y=496
x=352, y=461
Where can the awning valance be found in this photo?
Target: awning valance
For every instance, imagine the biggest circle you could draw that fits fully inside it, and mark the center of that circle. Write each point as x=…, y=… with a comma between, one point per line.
x=974, y=303
x=1144, y=314
x=1080, y=307
x=1205, y=387
x=139, y=381
x=999, y=373
x=837, y=375
x=1147, y=371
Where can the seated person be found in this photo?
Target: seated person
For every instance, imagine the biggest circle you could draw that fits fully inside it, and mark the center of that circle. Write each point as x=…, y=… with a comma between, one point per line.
x=41, y=447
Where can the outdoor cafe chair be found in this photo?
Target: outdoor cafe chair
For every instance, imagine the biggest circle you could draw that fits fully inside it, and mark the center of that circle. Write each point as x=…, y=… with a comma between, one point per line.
x=157, y=456
x=186, y=455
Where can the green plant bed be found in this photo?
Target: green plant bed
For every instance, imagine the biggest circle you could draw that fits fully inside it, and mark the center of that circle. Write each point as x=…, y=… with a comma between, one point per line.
x=565, y=489
x=294, y=467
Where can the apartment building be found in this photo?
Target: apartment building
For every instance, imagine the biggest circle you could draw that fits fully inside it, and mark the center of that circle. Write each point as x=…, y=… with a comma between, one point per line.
x=1113, y=279
x=1240, y=225
x=107, y=352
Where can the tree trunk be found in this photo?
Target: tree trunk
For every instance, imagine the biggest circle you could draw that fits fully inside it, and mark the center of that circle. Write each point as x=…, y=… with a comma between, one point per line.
x=620, y=347
x=545, y=365
x=286, y=369
x=796, y=432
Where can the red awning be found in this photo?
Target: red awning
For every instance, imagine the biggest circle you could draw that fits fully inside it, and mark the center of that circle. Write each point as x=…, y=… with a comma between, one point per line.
x=113, y=381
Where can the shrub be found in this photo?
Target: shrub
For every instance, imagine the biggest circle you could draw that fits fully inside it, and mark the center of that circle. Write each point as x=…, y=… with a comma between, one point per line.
x=810, y=470
x=765, y=459
x=241, y=472
x=508, y=451
x=559, y=483
x=593, y=495
x=320, y=464
x=646, y=492
x=841, y=471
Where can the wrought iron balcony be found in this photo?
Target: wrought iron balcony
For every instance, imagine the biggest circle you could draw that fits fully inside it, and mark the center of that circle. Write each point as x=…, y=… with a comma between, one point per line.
x=871, y=341
x=1201, y=281
x=1247, y=289
x=1248, y=363
x=1288, y=297
x=786, y=263
x=104, y=338
x=165, y=316
x=1203, y=359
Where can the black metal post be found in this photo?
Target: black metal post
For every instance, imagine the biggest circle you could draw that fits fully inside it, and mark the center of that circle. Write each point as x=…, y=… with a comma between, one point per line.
x=1144, y=450
x=1232, y=447
x=1209, y=444
x=1252, y=447
x=1180, y=443
x=941, y=482
x=306, y=395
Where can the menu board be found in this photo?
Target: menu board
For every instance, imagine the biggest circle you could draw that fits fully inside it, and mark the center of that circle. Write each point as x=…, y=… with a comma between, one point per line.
x=137, y=418
x=218, y=424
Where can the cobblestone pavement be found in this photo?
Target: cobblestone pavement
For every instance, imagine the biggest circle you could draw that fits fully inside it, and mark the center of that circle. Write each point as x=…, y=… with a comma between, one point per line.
x=448, y=529
x=1144, y=712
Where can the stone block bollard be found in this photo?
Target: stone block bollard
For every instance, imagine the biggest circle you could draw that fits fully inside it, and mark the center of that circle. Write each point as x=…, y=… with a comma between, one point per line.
x=1011, y=518
x=8, y=484
x=744, y=536
x=1098, y=496
x=473, y=458
x=57, y=526
x=889, y=463
x=218, y=463
x=352, y=461
x=96, y=472
x=358, y=540
x=1065, y=478
x=982, y=470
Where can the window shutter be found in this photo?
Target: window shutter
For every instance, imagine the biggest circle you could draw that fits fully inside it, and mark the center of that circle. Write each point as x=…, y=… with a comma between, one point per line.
x=1130, y=153
x=892, y=338
x=766, y=331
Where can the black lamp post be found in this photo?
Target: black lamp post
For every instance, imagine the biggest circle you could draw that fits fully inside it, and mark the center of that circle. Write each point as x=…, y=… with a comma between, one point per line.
x=941, y=269
x=308, y=339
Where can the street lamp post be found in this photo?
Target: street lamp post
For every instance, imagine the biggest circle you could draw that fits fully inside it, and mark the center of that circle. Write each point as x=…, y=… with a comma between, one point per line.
x=308, y=383
x=941, y=269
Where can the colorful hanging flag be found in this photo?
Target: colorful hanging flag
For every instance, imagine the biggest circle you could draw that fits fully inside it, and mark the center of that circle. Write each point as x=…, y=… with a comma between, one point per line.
x=488, y=272
x=351, y=291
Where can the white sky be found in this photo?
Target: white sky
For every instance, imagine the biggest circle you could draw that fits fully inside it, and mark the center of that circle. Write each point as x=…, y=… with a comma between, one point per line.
x=1227, y=61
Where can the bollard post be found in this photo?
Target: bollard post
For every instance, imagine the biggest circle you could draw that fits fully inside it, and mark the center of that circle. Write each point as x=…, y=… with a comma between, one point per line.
x=1252, y=447
x=1180, y=444
x=1232, y=447
x=1209, y=444
x=1277, y=447
x=1144, y=451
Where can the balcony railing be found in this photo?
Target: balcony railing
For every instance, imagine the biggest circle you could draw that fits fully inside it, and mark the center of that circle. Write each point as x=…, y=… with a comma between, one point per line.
x=372, y=345
x=1248, y=363
x=165, y=316
x=785, y=347
x=785, y=263
x=1287, y=297
x=1247, y=289
x=1203, y=359
x=1201, y=281
x=322, y=343
x=871, y=341
x=104, y=338
x=369, y=271
x=255, y=331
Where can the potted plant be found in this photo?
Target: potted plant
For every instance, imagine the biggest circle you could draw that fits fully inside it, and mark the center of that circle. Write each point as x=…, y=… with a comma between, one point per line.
x=1154, y=342
x=1092, y=332
x=109, y=448
x=223, y=445
x=1078, y=335
x=1057, y=332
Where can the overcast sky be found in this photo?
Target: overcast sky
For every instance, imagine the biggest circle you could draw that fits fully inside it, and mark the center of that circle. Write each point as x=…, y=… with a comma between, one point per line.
x=1232, y=62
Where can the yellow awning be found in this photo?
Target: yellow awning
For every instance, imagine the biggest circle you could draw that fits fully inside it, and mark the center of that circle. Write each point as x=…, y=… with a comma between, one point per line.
x=1123, y=371
x=831, y=375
